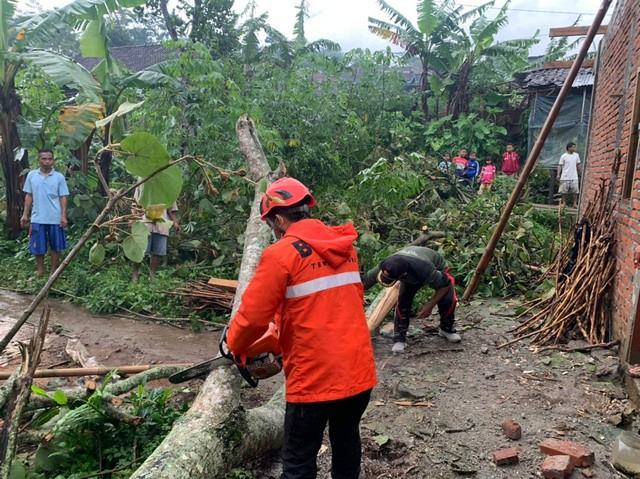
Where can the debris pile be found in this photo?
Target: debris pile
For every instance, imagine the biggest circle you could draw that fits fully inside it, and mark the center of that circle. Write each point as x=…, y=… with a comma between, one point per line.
x=216, y=294
x=578, y=306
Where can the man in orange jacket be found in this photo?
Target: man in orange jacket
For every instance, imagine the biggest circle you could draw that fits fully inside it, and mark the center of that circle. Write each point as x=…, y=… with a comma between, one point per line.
x=309, y=281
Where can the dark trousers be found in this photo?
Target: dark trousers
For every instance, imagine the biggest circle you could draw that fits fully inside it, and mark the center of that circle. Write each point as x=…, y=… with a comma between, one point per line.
x=446, y=308
x=304, y=425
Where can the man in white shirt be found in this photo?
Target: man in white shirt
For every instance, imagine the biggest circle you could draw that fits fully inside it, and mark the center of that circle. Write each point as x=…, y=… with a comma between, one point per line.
x=568, y=170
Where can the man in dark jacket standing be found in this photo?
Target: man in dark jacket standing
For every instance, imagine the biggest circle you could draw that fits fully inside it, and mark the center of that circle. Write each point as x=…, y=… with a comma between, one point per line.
x=415, y=267
x=309, y=281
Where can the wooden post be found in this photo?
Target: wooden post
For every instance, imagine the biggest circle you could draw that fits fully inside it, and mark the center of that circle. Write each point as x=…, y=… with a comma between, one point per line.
x=535, y=151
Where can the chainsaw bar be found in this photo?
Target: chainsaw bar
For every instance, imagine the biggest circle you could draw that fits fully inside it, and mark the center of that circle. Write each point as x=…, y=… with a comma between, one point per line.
x=199, y=370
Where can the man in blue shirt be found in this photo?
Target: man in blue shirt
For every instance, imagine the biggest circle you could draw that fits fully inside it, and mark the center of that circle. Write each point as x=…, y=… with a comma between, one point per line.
x=46, y=199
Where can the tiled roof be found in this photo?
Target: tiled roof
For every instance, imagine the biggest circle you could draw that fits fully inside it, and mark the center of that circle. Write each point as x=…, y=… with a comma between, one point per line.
x=136, y=57
x=554, y=78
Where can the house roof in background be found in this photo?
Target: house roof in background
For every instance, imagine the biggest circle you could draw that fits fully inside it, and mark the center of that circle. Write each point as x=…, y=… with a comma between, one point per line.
x=544, y=78
x=135, y=57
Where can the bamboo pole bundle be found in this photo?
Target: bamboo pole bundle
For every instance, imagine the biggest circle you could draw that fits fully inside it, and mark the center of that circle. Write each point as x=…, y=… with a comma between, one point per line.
x=580, y=307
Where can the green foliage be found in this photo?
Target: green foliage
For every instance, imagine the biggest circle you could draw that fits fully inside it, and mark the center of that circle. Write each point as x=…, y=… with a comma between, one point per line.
x=470, y=131
x=88, y=440
x=213, y=23
x=392, y=200
x=64, y=72
x=96, y=254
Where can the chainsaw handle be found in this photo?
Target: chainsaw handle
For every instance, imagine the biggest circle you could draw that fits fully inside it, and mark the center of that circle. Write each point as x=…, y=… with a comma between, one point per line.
x=240, y=362
x=246, y=375
x=222, y=345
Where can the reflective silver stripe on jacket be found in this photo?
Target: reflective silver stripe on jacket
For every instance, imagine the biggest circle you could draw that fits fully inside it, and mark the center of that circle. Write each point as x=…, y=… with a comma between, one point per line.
x=322, y=284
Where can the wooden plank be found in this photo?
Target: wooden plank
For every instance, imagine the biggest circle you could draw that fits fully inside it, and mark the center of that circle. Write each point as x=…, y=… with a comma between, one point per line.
x=383, y=306
x=567, y=64
x=576, y=31
x=228, y=284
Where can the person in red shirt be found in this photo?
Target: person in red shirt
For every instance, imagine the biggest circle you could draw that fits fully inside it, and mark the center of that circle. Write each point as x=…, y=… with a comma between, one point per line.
x=487, y=175
x=510, y=161
x=460, y=162
x=309, y=281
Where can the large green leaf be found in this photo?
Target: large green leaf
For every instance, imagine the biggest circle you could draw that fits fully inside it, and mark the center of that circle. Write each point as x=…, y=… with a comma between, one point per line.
x=65, y=72
x=397, y=17
x=122, y=110
x=427, y=17
x=145, y=154
x=163, y=189
x=78, y=122
x=96, y=254
x=135, y=244
x=150, y=78
x=93, y=41
x=7, y=9
x=77, y=14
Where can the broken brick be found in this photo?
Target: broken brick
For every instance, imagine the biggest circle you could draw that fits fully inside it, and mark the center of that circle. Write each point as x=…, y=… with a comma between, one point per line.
x=504, y=457
x=580, y=455
x=557, y=467
x=512, y=429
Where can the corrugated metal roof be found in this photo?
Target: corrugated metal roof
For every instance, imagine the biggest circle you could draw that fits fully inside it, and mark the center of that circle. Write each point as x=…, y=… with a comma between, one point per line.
x=135, y=57
x=554, y=78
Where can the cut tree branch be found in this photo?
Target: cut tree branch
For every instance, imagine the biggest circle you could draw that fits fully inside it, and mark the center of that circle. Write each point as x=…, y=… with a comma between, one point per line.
x=20, y=395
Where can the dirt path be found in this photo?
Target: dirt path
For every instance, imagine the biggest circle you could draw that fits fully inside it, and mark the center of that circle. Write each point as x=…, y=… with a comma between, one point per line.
x=461, y=394
x=464, y=393
x=112, y=340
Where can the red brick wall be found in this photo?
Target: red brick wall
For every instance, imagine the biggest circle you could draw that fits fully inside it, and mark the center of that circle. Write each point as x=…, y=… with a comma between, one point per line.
x=610, y=129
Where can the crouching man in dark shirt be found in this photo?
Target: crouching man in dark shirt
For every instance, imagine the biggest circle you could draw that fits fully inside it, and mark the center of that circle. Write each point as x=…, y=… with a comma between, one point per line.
x=415, y=267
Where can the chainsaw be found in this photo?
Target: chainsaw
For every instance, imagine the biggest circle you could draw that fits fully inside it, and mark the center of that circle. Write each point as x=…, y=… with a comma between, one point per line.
x=262, y=360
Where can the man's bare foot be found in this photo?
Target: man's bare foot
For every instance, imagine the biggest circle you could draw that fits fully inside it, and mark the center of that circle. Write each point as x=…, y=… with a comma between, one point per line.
x=634, y=371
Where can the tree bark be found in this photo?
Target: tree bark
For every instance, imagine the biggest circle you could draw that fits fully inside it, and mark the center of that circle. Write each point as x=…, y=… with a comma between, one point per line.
x=106, y=157
x=424, y=88
x=459, y=98
x=168, y=20
x=217, y=434
x=9, y=142
x=82, y=154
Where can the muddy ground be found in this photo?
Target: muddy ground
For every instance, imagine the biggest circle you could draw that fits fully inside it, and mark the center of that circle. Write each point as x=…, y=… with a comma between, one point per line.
x=438, y=409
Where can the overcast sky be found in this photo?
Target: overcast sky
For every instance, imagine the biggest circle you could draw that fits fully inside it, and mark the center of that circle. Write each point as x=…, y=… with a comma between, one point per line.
x=345, y=21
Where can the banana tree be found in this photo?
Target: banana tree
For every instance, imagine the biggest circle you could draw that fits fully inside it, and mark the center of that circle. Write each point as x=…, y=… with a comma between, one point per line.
x=14, y=55
x=282, y=51
x=79, y=119
x=428, y=40
x=478, y=46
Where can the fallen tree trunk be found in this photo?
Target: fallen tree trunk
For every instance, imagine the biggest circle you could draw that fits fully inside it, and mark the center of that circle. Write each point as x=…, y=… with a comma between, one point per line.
x=216, y=433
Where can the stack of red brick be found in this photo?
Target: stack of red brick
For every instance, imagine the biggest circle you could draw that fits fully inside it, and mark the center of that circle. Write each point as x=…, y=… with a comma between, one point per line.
x=562, y=457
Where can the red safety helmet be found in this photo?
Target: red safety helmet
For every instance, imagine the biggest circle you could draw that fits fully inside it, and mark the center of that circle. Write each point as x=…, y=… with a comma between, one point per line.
x=282, y=193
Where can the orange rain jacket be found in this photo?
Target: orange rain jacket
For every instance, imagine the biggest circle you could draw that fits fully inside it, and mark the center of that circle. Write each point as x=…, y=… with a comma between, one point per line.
x=310, y=282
